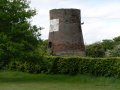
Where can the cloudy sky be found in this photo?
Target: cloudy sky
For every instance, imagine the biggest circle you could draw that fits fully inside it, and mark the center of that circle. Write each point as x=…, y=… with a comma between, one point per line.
x=101, y=17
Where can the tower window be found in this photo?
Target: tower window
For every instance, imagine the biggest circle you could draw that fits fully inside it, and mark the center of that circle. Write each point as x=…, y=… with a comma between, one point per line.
x=49, y=44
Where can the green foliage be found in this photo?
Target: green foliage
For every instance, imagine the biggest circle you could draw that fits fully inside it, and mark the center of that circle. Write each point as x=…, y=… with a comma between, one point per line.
x=32, y=64
x=107, y=44
x=104, y=48
x=116, y=51
x=68, y=65
x=95, y=50
x=77, y=65
x=18, y=36
x=43, y=48
x=3, y=54
x=59, y=65
x=117, y=40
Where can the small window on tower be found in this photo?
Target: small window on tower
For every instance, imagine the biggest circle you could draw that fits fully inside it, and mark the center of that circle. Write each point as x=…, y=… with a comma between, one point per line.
x=49, y=44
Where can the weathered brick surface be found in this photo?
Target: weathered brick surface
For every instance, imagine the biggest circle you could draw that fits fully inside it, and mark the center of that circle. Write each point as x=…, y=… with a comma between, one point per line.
x=69, y=39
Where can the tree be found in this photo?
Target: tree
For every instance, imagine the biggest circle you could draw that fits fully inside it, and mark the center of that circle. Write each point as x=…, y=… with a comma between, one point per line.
x=43, y=48
x=18, y=37
x=116, y=51
x=95, y=50
x=117, y=40
x=104, y=48
x=107, y=44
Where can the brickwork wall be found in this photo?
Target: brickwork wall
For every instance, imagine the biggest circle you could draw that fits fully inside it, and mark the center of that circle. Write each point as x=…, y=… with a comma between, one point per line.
x=68, y=40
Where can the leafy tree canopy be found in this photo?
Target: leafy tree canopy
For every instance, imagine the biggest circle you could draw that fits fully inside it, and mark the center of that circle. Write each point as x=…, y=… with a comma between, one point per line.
x=18, y=37
x=104, y=48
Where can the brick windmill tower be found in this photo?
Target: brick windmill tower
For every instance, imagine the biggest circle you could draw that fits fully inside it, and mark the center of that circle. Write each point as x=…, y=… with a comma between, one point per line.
x=65, y=35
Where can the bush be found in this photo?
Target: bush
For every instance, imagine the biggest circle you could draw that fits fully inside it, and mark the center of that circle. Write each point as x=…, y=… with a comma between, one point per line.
x=95, y=50
x=77, y=65
x=32, y=64
x=62, y=65
x=68, y=65
x=116, y=51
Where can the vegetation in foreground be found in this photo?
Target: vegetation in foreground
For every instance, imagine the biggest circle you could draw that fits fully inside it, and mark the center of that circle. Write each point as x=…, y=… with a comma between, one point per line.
x=108, y=67
x=24, y=81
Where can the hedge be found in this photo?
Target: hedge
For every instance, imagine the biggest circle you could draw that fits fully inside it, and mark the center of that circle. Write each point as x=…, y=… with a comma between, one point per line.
x=69, y=65
x=78, y=65
x=33, y=64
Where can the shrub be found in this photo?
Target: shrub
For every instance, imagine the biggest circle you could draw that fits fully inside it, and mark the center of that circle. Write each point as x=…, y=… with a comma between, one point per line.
x=32, y=64
x=116, y=51
x=77, y=65
x=68, y=65
x=62, y=65
x=95, y=50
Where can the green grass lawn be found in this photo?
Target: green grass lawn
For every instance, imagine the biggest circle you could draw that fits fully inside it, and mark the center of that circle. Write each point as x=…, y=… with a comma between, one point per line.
x=25, y=81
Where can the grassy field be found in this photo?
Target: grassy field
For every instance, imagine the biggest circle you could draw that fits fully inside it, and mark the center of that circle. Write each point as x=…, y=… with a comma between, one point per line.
x=25, y=81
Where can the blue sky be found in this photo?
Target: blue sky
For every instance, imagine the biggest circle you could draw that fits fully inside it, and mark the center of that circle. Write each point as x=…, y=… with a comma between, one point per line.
x=101, y=17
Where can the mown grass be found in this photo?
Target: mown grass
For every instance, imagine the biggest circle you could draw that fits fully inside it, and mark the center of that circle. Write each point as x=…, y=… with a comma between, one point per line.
x=24, y=81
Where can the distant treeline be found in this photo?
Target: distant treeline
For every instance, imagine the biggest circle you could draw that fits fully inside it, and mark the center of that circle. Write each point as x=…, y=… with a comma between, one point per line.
x=106, y=48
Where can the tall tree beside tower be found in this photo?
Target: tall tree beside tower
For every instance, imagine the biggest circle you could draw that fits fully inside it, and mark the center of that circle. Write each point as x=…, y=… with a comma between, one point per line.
x=18, y=38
